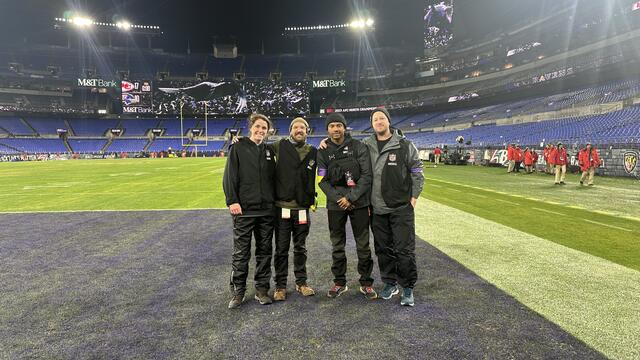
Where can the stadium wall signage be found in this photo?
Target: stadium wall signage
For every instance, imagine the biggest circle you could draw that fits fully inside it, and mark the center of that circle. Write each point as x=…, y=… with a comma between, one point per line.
x=317, y=84
x=355, y=109
x=98, y=83
x=615, y=162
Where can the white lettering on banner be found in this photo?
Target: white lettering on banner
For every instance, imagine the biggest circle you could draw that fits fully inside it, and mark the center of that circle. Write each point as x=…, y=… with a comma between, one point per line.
x=329, y=83
x=97, y=83
x=499, y=157
x=136, y=109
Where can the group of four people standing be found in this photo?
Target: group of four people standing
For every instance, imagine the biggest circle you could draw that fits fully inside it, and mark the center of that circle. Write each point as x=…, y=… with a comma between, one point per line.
x=374, y=182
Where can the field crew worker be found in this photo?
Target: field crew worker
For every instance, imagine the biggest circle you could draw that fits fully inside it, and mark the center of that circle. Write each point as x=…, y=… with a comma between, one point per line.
x=559, y=160
x=510, y=157
x=295, y=193
x=397, y=183
x=589, y=160
x=346, y=170
x=248, y=184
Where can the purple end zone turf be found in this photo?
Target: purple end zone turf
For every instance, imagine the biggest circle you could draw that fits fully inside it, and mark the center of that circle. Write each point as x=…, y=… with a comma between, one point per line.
x=155, y=285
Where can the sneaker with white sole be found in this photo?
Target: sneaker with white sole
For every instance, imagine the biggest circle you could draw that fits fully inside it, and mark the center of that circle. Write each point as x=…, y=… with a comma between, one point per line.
x=337, y=290
x=388, y=291
x=368, y=292
x=407, y=297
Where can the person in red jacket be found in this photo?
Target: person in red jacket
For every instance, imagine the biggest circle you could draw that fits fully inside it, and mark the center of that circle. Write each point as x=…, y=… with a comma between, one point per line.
x=510, y=158
x=436, y=155
x=546, y=155
x=589, y=160
x=534, y=159
x=518, y=156
x=528, y=160
x=559, y=159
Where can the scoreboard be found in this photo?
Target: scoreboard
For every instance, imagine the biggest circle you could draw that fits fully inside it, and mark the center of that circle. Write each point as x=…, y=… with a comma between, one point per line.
x=137, y=97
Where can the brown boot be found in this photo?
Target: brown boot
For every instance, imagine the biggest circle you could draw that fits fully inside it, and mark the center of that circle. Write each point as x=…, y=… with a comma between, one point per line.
x=305, y=290
x=280, y=295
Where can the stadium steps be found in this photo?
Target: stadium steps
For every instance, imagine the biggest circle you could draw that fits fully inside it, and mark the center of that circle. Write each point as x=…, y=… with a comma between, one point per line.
x=70, y=130
x=26, y=123
x=67, y=145
x=11, y=147
x=106, y=145
x=146, y=147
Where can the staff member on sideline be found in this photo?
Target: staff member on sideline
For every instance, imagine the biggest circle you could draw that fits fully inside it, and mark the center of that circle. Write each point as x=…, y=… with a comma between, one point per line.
x=346, y=171
x=589, y=160
x=397, y=183
x=559, y=160
x=248, y=185
x=295, y=193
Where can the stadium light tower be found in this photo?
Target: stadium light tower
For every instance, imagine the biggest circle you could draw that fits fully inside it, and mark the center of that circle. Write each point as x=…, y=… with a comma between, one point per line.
x=360, y=24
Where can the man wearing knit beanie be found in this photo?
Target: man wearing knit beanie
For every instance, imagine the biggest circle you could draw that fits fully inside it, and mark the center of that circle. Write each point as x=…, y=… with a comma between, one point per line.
x=345, y=169
x=295, y=194
x=396, y=185
x=337, y=118
x=302, y=121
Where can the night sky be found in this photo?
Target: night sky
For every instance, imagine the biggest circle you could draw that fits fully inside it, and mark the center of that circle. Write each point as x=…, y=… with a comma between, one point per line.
x=249, y=23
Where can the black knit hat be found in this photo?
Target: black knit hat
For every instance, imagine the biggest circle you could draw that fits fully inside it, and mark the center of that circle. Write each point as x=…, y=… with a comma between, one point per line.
x=382, y=110
x=336, y=117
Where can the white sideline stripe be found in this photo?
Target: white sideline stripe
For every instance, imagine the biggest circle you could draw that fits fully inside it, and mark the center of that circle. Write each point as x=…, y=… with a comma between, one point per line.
x=549, y=211
x=543, y=275
x=119, y=210
x=438, y=186
x=456, y=190
x=607, y=225
x=507, y=201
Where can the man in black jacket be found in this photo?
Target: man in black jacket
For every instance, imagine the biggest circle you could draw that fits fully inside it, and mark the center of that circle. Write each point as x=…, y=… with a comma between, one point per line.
x=295, y=193
x=249, y=190
x=346, y=171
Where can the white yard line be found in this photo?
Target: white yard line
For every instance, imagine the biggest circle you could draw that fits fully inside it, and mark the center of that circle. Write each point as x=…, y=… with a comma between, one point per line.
x=507, y=201
x=607, y=225
x=98, y=211
x=549, y=211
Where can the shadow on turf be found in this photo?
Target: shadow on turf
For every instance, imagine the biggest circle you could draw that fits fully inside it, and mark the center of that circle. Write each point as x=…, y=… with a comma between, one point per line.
x=154, y=285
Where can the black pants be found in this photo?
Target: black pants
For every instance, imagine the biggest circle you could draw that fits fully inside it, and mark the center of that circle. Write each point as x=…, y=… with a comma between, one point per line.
x=262, y=229
x=286, y=229
x=360, y=226
x=395, y=243
x=517, y=168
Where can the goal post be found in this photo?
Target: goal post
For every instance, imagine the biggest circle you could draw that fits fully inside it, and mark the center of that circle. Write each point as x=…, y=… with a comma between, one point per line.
x=197, y=136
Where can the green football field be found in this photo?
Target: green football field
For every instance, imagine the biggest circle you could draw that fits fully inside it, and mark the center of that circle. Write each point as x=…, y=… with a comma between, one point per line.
x=570, y=253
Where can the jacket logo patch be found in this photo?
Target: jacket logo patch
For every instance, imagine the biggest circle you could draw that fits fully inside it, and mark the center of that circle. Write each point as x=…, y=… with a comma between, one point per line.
x=311, y=163
x=392, y=157
x=630, y=161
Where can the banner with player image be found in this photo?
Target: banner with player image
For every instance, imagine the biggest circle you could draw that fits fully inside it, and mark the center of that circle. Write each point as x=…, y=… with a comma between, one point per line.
x=231, y=98
x=438, y=23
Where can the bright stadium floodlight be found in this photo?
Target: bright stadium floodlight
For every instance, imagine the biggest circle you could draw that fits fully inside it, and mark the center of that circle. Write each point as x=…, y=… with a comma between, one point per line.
x=81, y=21
x=124, y=25
x=369, y=22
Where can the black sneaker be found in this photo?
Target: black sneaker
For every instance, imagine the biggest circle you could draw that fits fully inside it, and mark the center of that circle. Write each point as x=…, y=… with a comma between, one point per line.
x=581, y=182
x=407, y=297
x=388, y=291
x=236, y=301
x=263, y=298
x=368, y=292
x=562, y=183
x=337, y=290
